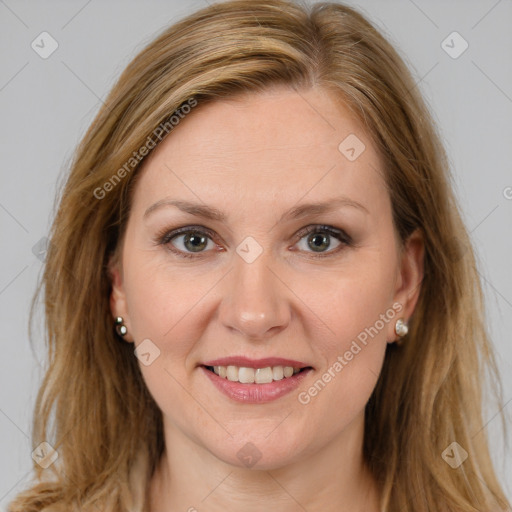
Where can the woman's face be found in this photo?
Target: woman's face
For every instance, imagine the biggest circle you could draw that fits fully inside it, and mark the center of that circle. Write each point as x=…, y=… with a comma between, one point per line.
x=251, y=282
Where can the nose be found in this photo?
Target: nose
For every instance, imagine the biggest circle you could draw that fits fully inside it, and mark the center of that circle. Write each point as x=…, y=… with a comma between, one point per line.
x=255, y=300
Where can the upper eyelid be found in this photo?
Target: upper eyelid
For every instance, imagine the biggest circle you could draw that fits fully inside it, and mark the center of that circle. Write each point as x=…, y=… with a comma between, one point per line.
x=208, y=231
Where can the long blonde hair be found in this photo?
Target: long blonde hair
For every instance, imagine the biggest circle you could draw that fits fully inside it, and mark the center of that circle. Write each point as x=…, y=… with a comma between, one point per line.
x=93, y=406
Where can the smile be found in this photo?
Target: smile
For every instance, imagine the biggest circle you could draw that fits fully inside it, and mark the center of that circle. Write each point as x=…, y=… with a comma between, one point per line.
x=255, y=391
x=246, y=375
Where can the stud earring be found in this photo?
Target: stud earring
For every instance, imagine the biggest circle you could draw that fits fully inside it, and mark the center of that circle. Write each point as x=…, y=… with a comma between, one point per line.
x=121, y=329
x=401, y=328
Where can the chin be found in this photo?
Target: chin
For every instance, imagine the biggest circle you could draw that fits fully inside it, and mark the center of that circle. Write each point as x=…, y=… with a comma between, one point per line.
x=264, y=452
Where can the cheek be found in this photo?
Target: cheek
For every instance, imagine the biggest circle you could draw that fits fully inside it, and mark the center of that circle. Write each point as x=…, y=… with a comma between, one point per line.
x=166, y=307
x=357, y=309
x=158, y=294
x=349, y=302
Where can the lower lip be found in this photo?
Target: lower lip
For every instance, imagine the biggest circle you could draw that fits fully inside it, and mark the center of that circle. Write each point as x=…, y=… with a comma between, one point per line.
x=256, y=393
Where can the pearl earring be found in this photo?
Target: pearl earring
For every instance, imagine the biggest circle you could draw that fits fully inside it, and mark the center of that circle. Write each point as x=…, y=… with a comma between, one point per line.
x=401, y=328
x=121, y=329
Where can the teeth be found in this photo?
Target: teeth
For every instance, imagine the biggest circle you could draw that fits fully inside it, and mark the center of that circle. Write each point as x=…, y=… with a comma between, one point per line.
x=262, y=375
x=277, y=373
x=255, y=375
x=288, y=371
x=245, y=375
x=232, y=373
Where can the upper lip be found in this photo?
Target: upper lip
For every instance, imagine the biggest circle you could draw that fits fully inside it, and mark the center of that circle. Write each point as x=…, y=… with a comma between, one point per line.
x=246, y=362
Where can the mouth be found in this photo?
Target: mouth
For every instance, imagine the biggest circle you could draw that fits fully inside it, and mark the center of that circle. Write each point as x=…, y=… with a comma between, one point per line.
x=257, y=381
x=256, y=375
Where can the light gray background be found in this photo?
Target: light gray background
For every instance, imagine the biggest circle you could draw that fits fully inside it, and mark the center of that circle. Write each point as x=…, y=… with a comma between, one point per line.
x=47, y=104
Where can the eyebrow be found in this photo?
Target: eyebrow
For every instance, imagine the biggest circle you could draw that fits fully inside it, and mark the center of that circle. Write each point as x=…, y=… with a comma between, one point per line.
x=297, y=212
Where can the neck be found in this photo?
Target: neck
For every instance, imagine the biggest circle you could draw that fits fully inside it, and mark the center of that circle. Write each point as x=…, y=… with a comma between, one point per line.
x=190, y=478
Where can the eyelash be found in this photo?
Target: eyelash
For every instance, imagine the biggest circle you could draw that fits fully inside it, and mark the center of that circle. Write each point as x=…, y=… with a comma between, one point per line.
x=165, y=237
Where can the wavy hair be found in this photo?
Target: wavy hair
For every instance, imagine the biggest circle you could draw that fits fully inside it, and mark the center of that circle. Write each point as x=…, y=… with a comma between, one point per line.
x=93, y=406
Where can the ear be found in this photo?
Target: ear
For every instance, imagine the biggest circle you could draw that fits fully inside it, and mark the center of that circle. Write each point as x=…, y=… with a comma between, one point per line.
x=409, y=278
x=118, y=305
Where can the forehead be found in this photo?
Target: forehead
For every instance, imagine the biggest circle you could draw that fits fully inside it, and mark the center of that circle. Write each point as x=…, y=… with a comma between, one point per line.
x=277, y=146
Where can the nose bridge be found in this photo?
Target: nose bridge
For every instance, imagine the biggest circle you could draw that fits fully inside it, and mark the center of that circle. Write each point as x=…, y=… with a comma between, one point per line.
x=255, y=300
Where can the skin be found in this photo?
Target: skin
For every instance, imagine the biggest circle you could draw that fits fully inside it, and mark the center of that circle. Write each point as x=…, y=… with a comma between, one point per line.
x=254, y=157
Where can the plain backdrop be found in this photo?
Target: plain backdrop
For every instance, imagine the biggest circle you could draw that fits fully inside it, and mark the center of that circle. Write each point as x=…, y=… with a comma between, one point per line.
x=46, y=104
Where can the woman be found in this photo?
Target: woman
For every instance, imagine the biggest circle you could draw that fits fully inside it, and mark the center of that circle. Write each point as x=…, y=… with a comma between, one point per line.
x=259, y=290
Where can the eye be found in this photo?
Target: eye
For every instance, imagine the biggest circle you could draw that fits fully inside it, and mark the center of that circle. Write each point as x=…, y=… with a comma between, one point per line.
x=318, y=239
x=193, y=242
x=187, y=241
